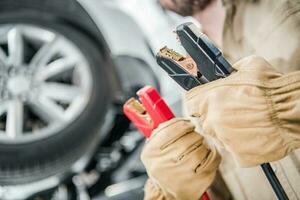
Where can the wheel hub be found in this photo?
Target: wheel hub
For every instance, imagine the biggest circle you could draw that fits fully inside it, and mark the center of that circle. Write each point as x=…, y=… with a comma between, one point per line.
x=18, y=85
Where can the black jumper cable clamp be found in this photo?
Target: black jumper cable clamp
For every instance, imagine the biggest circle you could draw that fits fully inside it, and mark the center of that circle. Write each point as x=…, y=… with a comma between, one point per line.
x=205, y=63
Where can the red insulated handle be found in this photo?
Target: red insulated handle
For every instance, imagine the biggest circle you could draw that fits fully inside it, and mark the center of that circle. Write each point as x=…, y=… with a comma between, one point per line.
x=156, y=107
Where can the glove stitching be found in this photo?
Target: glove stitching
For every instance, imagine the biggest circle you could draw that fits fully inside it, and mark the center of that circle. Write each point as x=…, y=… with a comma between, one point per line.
x=204, y=162
x=189, y=150
x=273, y=113
x=289, y=142
x=172, y=141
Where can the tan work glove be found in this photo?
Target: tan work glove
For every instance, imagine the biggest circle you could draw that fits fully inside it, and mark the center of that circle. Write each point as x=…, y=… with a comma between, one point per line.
x=153, y=192
x=178, y=162
x=254, y=113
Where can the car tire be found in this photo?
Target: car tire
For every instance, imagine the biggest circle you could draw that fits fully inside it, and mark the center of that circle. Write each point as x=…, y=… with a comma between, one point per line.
x=34, y=160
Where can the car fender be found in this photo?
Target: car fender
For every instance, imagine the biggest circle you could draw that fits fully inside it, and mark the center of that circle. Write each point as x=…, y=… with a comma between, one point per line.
x=124, y=37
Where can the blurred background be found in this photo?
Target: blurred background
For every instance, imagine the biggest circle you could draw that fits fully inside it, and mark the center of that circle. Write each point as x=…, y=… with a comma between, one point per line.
x=66, y=68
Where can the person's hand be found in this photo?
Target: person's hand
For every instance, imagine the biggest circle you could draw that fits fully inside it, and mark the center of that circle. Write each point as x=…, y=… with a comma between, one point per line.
x=153, y=192
x=254, y=113
x=180, y=165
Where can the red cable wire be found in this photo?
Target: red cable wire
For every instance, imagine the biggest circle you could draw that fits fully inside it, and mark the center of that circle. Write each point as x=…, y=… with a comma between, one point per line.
x=205, y=196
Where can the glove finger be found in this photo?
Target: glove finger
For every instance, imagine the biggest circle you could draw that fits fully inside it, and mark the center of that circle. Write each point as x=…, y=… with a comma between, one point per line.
x=190, y=146
x=168, y=133
x=154, y=192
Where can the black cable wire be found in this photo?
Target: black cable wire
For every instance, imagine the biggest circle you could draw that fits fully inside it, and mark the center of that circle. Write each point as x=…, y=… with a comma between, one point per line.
x=273, y=180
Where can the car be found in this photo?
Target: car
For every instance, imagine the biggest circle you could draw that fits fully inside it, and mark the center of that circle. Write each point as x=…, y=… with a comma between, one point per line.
x=66, y=68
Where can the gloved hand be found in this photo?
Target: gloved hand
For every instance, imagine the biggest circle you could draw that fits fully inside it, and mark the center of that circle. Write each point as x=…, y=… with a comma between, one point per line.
x=254, y=113
x=153, y=192
x=178, y=162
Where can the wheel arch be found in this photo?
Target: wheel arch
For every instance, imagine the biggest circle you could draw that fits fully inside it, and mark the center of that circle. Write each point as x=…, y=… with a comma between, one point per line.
x=125, y=38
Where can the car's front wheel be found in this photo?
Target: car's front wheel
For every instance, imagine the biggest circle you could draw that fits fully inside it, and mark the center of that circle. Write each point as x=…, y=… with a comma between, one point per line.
x=53, y=92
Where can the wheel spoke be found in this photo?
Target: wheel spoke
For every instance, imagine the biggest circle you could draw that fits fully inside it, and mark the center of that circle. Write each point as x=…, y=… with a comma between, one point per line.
x=15, y=120
x=61, y=92
x=45, y=53
x=54, y=68
x=15, y=47
x=47, y=109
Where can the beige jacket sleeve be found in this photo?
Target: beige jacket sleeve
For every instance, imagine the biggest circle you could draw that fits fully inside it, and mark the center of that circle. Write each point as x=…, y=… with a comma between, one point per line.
x=178, y=162
x=254, y=113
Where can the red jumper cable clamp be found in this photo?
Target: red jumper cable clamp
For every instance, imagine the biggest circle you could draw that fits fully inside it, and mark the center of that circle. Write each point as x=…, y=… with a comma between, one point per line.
x=147, y=113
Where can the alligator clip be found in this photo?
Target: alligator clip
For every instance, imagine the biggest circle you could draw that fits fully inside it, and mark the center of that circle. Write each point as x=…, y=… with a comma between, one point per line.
x=182, y=69
x=210, y=61
x=147, y=113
